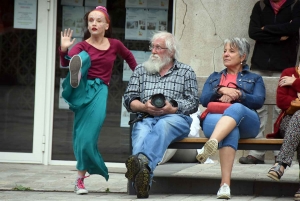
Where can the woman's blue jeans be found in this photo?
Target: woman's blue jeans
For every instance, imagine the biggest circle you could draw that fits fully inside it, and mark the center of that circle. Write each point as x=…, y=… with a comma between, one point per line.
x=152, y=136
x=247, y=121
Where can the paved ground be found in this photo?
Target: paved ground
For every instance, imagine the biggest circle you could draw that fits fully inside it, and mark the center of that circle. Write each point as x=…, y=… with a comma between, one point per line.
x=56, y=183
x=64, y=196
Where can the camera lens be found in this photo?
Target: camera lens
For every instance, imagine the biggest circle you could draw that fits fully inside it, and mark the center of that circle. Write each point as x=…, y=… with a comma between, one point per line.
x=158, y=100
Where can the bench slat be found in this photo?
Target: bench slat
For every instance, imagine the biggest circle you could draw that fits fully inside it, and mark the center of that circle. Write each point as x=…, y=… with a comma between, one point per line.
x=244, y=144
x=241, y=141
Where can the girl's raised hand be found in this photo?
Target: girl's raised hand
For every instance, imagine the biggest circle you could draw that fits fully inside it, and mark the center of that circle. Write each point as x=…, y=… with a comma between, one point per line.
x=66, y=39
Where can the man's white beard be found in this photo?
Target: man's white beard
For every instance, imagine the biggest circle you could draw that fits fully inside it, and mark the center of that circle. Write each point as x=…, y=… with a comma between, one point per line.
x=154, y=64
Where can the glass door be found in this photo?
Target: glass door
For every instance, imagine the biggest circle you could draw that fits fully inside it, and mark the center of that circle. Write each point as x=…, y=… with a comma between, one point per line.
x=114, y=137
x=23, y=80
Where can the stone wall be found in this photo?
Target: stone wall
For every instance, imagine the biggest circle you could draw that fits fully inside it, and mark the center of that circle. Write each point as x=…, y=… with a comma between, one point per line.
x=201, y=26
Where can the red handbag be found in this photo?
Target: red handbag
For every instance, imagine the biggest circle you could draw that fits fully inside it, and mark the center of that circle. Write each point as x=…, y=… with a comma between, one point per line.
x=217, y=107
x=214, y=108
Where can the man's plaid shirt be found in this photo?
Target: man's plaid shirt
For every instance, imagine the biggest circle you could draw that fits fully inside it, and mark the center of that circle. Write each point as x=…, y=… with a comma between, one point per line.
x=179, y=84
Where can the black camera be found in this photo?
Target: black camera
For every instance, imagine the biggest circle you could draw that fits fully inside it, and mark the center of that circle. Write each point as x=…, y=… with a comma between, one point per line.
x=158, y=100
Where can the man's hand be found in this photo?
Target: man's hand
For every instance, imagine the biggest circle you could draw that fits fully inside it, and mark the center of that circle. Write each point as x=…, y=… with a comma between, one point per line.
x=154, y=111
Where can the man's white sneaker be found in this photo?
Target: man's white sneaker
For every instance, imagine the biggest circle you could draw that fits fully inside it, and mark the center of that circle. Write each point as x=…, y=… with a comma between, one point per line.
x=75, y=73
x=224, y=192
x=209, y=148
x=79, y=187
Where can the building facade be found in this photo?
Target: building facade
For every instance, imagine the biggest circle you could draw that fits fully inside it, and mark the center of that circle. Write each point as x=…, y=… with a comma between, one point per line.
x=36, y=126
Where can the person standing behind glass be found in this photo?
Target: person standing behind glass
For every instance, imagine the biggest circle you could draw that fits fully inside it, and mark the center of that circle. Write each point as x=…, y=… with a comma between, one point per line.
x=235, y=84
x=85, y=88
x=274, y=25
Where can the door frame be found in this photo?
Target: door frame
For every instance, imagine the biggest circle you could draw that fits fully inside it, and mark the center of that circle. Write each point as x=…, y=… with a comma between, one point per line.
x=44, y=88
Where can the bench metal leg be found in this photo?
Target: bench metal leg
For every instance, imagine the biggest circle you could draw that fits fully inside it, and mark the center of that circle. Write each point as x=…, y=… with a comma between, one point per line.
x=130, y=189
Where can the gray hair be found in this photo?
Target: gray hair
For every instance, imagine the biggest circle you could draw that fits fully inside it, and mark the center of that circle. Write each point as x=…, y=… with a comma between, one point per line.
x=242, y=44
x=170, y=41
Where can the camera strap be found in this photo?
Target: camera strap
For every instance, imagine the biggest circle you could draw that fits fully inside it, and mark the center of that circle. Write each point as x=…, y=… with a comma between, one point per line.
x=138, y=119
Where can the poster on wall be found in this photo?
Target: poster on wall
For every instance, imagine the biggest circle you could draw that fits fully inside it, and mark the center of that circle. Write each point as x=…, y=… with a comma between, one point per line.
x=135, y=26
x=125, y=116
x=156, y=21
x=88, y=8
x=136, y=3
x=61, y=102
x=95, y=3
x=159, y=4
x=72, y=2
x=72, y=18
x=140, y=57
x=142, y=23
x=25, y=12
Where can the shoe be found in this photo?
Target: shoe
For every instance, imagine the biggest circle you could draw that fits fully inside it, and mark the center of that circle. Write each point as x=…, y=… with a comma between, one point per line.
x=139, y=173
x=75, y=73
x=250, y=160
x=79, y=187
x=142, y=183
x=275, y=172
x=297, y=195
x=134, y=164
x=209, y=148
x=224, y=192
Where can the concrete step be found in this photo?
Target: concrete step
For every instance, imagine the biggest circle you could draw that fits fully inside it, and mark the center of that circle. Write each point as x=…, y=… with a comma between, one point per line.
x=195, y=178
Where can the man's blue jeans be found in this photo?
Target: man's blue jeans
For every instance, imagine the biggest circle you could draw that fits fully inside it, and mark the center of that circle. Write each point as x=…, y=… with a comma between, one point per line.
x=152, y=136
x=247, y=121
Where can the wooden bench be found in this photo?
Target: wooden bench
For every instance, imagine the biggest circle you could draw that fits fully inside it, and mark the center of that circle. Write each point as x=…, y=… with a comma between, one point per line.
x=244, y=144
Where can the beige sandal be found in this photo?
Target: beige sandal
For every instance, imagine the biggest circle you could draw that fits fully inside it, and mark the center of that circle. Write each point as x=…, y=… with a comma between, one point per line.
x=297, y=195
x=275, y=172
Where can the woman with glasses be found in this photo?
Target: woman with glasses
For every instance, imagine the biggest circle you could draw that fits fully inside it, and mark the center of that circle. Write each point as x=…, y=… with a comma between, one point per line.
x=240, y=92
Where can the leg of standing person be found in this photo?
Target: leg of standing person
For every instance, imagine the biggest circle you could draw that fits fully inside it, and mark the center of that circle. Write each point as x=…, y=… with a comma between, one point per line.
x=258, y=156
x=276, y=112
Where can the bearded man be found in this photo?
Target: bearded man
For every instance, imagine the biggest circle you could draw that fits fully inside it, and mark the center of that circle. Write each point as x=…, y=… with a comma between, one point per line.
x=161, y=74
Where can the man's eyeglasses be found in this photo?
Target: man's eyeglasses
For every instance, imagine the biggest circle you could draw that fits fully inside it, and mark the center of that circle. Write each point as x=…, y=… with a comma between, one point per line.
x=156, y=47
